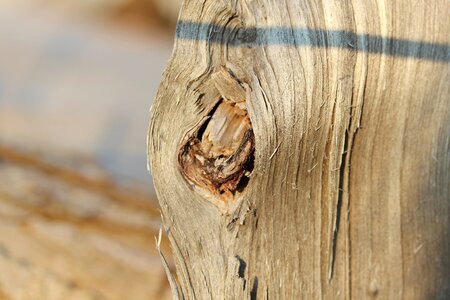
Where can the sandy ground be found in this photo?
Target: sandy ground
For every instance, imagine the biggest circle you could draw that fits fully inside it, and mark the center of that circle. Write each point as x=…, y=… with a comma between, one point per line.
x=68, y=84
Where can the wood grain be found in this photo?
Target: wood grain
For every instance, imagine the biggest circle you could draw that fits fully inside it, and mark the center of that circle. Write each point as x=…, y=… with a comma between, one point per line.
x=349, y=103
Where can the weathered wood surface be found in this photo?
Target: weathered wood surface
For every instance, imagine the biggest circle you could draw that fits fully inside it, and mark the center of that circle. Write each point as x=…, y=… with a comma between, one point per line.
x=67, y=231
x=349, y=197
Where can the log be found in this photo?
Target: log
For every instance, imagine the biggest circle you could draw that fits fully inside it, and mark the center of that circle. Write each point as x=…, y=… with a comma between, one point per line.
x=68, y=231
x=301, y=150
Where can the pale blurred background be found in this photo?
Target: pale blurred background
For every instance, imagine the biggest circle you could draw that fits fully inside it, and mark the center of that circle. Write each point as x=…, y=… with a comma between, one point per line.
x=78, y=214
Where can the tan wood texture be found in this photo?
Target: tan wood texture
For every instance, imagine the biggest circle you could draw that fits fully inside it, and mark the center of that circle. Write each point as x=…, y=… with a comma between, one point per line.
x=349, y=193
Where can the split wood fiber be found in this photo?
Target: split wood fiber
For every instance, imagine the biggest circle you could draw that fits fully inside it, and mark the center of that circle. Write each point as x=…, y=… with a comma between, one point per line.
x=347, y=195
x=217, y=156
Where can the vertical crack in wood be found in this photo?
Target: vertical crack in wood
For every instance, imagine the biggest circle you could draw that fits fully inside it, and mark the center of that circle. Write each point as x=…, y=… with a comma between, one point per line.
x=342, y=175
x=344, y=179
x=241, y=270
x=254, y=291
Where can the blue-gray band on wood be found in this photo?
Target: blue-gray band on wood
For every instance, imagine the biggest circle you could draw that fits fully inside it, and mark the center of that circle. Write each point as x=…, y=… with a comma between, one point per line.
x=312, y=37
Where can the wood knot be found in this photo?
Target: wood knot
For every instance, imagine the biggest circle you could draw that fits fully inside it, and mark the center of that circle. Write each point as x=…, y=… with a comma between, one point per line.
x=217, y=157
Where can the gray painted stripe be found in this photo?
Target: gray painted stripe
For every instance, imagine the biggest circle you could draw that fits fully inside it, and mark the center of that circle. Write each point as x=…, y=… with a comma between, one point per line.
x=299, y=37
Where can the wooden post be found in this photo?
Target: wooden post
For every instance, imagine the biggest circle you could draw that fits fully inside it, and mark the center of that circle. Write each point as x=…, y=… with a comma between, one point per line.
x=300, y=150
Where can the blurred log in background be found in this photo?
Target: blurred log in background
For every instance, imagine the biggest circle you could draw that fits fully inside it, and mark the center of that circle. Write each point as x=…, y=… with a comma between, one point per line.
x=78, y=216
x=68, y=232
